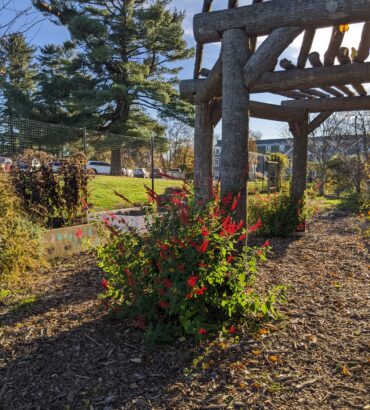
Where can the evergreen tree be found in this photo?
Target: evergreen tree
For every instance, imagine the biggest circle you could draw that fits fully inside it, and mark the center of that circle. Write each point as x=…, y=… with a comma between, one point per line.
x=124, y=67
x=17, y=76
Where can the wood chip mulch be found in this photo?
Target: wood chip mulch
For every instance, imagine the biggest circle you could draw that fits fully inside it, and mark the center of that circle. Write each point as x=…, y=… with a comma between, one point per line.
x=61, y=352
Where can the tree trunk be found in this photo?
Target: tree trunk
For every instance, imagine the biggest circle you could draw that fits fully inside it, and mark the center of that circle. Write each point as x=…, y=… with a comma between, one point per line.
x=203, y=152
x=116, y=161
x=235, y=119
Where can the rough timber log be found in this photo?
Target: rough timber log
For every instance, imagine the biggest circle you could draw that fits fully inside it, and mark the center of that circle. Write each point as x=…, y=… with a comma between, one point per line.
x=296, y=95
x=300, y=145
x=294, y=79
x=318, y=120
x=305, y=48
x=199, y=48
x=364, y=46
x=235, y=119
x=203, y=151
x=263, y=111
x=336, y=40
x=212, y=85
x=331, y=104
x=268, y=52
x=262, y=19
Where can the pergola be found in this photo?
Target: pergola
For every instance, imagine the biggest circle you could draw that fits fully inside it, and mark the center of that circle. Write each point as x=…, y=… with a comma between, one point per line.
x=242, y=70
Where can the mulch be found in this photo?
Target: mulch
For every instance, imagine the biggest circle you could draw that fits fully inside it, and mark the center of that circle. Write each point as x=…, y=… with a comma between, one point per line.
x=62, y=352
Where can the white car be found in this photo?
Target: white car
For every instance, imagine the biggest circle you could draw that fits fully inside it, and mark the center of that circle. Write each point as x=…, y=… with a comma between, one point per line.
x=99, y=167
x=128, y=172
x=141, y=173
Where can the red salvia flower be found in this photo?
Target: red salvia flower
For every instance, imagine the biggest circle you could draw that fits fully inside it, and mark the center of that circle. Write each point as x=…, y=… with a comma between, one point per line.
x=162, y=292
x=232, y=329
x=200, y=291
x=128, y=272
x=266, y=244
x=163, y=246
x=189, y=295
x=176, y=201
x=235, y=202
x=230, y=258
x=163, y=304
x=192, y=280
x=167, y=283
x=104, y=283
x=205, y=232
x=203, y=247
x=242, y=237
x=202, y=331
x=256, y=226
x=227, y=199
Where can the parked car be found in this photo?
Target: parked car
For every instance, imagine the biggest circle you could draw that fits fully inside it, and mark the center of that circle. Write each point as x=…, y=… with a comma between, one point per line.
x=176, y=173
x=158, y=173
x=5, y=164
x=128, y=172
x=141, y=173
x=99, y=167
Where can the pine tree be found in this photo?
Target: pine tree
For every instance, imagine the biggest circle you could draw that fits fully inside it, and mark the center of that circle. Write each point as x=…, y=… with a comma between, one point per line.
x=123, y=73
x=17, y=76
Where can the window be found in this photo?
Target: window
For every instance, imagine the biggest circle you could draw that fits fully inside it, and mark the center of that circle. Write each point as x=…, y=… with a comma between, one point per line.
x=217, y=162
x=275, y=148
x=262, y=149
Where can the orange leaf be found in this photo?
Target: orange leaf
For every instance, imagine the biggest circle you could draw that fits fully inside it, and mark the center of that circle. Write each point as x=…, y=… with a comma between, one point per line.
x=343, y=28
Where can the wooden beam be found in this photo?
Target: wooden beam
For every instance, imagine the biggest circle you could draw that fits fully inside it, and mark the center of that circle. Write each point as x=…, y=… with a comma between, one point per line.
x=296, y=95
x=331, y=104
x=253, y=40
x=264, y=111
x=336, y=40
x=343, y=56
x=203, y=152
x=235, y=119
x=294, y=79
x=364, y=46
x=262, y=19
x=212, y=86
x=268, y=52
x=318, y=120
x=307, y=41
x=311, y=78
x=199, y=47
x=300, y=146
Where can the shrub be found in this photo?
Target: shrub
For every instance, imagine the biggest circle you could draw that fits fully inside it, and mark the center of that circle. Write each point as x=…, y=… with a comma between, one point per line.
x=51, y=199
x=186, y=274
x=279, y=214
x=20, y=242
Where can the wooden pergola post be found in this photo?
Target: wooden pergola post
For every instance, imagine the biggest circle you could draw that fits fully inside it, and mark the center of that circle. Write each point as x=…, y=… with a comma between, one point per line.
x=300, y=146
x=235, y=118
x=203, y=151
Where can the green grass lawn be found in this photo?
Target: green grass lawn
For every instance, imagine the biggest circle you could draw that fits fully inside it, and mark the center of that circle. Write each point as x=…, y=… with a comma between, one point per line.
x=103, y=187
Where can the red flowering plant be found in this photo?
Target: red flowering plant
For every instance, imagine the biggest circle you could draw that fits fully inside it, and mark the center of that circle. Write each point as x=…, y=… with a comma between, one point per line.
x=279, y=214
x=186, y=274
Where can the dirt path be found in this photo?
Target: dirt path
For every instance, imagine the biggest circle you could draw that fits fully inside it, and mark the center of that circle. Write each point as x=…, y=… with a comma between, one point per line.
x=58, y=351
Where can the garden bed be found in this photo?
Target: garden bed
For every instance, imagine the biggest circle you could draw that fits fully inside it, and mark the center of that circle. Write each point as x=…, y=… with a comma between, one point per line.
x=58, y=350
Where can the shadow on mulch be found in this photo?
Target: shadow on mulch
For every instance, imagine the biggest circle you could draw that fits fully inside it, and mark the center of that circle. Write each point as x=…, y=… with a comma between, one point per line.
x=55, y=297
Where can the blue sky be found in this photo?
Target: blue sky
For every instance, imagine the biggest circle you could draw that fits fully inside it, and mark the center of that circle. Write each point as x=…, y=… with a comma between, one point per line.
x=47, y=32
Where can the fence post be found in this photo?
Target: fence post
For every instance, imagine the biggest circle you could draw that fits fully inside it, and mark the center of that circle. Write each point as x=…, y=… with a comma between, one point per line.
x=84, y=137
x=152, y=159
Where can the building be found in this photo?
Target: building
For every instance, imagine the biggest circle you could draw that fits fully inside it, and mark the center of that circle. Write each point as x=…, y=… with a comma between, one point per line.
x=256, y=163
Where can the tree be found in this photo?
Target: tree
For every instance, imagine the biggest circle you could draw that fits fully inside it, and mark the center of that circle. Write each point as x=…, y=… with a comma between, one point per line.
x=323, y=144
x=17, y=20
x=124, y=66
x=354, y=146
x=179, y=138
x=18, y=76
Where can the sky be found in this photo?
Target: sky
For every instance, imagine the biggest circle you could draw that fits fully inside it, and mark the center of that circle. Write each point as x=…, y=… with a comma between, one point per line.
x=46, y=33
